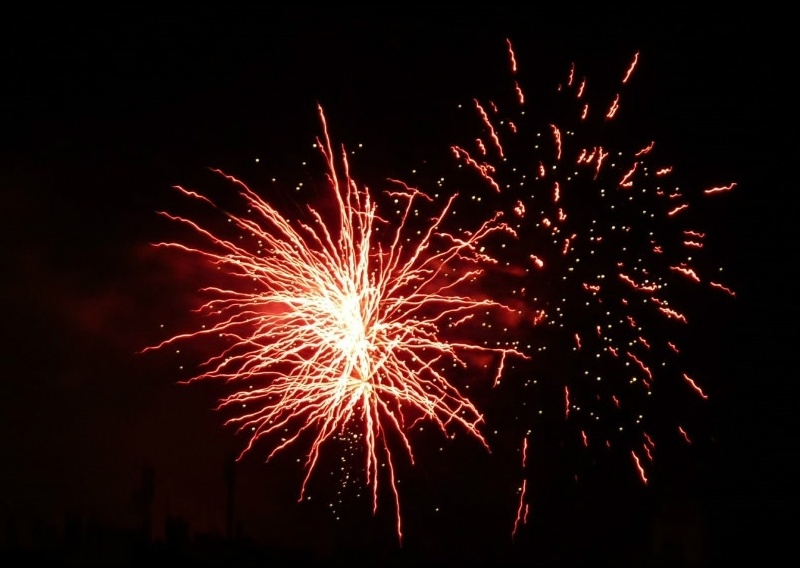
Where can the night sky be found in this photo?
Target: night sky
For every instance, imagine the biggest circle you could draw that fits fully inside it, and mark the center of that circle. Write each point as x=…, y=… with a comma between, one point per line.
x=102, y=113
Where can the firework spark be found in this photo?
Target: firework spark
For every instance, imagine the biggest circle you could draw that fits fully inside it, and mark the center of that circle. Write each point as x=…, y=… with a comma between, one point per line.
x=345, y=324
x=605, y=249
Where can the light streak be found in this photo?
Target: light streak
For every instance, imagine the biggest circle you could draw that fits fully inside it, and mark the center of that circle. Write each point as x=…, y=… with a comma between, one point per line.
x=639, y=467
x=522, y=506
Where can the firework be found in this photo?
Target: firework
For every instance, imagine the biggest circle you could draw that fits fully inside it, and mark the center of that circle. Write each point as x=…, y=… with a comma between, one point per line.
x=605, y=249
x=343, y=323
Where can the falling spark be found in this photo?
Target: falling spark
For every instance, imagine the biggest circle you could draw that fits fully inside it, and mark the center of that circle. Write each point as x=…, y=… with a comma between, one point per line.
x=345, y=323
x=639, y=467
x=695, y=387
x=522, y=509
x=522, y=506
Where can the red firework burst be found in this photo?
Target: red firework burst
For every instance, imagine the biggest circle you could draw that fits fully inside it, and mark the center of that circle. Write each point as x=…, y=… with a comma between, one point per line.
x=344, y=322
x=605, y=250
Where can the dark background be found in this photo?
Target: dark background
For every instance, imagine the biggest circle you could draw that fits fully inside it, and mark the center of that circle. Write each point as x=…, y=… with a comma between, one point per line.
x=106, y=458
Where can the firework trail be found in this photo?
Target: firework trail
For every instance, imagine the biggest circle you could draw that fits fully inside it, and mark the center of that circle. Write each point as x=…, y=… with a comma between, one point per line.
x=344, y=325
x=604, y=250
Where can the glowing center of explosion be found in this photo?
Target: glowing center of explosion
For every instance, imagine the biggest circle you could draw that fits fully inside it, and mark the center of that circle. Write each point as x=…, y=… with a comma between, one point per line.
x=351, y=336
